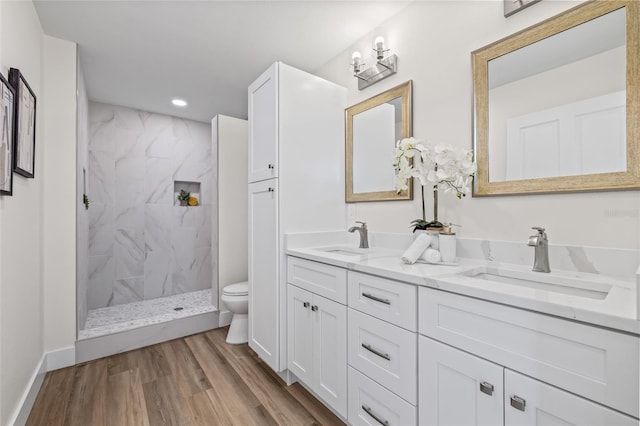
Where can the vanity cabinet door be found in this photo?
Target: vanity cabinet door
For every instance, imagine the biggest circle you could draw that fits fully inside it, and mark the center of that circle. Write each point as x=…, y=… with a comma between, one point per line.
x=330, y=352
x=530, y=402
x=299, y=333
x=456, y=388
x=264, y=301
x=317, y=345
x=263, y=126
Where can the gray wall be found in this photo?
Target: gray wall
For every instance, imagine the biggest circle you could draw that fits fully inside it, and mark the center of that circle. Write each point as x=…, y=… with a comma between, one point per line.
x=142, y=245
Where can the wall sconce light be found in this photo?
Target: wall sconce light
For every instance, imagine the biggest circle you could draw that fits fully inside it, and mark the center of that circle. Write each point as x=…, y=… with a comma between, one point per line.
x=383, y=68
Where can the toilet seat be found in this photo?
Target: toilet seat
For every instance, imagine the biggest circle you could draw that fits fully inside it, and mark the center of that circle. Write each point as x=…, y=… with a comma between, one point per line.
x=239, y=289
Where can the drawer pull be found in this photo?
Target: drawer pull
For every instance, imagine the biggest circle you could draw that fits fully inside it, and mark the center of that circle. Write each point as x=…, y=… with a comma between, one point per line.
x=376, y=298
x=271, y=166
x=375, y=351
x=314, y=308
x=486, y=387
x=306, y=304
x=271, y=190
x=375, y=417
x=518, y=403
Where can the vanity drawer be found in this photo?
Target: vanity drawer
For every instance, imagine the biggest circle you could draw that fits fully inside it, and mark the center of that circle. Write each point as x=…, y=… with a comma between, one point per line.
x=599, y=364
x=371, y=404
x=384, y=352
x=384, y=299
x=325, y=280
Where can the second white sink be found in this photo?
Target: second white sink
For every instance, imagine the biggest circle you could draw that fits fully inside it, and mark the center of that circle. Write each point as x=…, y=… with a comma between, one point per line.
x=573, y=286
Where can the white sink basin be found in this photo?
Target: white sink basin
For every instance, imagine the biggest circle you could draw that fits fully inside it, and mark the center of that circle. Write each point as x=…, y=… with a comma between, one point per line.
x=345, y=251
x=573, y=286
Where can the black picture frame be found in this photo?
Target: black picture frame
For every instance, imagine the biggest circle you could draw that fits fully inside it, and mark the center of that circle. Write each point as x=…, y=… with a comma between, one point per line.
x=24, y=146
x=7, y=122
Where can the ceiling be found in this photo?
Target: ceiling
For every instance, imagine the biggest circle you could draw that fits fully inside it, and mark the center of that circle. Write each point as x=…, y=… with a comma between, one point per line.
x=141, y=54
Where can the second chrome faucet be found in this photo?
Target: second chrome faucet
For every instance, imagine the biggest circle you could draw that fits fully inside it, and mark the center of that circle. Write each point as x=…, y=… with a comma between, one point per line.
x=541, y=244
x=364, y=234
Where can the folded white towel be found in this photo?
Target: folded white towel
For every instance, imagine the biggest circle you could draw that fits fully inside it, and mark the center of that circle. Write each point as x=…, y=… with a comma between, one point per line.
x=419, y=245
x=431, y=255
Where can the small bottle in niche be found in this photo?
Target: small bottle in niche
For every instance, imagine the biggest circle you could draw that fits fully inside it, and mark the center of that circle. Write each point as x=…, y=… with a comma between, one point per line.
x=448, y=243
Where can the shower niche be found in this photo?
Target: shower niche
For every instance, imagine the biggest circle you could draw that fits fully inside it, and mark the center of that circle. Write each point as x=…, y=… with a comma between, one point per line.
x=191, y=188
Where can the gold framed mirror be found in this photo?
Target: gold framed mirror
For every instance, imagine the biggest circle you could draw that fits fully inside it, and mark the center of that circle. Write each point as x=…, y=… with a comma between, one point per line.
x=372, y=129
x=556, y=104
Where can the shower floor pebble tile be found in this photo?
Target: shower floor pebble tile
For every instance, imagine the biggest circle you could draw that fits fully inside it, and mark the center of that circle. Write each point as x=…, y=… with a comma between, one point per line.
x=114, y=319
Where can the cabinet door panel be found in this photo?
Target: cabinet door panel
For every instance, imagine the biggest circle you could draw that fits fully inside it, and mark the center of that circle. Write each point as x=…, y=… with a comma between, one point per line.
x=326, y=280
x=264, y=304
x=330, y=353
x=595, y=362
x=263, y=126
x=547, y=405
x=371, y=404
x=384, y=352
x=300, y=337
x=385, y=299
x=454, y=387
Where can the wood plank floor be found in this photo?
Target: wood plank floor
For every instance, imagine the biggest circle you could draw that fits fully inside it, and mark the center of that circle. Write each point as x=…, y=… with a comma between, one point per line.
x=196, y=380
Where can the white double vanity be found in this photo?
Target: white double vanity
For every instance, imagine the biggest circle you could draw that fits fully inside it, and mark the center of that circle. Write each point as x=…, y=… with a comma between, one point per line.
x=484, y=342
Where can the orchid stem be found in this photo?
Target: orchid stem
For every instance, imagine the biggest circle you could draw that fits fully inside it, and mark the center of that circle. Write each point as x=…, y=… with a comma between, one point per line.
x=424, y=216
x=435, y=203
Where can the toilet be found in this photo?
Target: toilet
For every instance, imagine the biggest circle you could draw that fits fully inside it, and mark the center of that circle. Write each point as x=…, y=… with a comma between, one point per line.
x=236, y=298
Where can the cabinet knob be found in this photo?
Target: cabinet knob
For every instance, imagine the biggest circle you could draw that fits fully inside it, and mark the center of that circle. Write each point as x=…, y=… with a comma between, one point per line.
x=306, y=304
x=271, y=189
x=486, y=387
x=314, y=308
x=518, y=403
x=271, y=166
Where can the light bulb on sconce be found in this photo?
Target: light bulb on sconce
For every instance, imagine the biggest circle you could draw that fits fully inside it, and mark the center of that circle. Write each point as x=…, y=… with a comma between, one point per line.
x=379, y=43
x=356, y=62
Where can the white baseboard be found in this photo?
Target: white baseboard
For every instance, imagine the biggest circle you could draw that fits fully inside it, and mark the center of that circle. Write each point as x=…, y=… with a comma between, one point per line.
x=53, y=360
x=21, y=414
x=61, y=358
x=225, y=318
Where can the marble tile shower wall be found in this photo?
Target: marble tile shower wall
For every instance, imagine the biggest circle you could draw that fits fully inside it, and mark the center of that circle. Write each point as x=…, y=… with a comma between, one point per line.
x=141, y=244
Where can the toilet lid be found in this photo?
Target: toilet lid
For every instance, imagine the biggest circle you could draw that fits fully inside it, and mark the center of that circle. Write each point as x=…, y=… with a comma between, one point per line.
x=238, y=289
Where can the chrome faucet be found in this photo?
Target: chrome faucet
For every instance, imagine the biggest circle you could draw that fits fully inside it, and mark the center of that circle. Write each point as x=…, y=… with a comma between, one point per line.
x=364, y=234
x=541, y=243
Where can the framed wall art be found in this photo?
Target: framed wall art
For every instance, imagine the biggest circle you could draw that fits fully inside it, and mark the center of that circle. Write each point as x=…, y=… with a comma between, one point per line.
x=7, y=110
x=24, y=146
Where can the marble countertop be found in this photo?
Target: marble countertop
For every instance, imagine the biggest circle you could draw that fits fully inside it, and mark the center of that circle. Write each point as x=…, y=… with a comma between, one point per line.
x=618, y=310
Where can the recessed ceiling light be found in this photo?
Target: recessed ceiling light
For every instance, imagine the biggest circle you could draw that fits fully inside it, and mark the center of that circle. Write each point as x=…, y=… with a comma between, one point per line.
x=179, y=102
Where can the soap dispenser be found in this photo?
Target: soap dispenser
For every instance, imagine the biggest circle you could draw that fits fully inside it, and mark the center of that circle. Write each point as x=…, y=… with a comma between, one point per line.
x=448, y=243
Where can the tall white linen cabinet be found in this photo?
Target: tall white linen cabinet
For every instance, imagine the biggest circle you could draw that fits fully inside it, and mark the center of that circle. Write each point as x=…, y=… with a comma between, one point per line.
x=296, y=184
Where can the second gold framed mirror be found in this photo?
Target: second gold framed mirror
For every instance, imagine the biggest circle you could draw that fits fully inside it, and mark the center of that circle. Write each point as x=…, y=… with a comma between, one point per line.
x=555, y=105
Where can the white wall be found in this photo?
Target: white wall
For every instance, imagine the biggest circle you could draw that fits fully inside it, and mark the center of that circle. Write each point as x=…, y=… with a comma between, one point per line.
x=433, y=41
x=231, y=137
x=21, y=229
x=37, y=223
x=58, y=102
